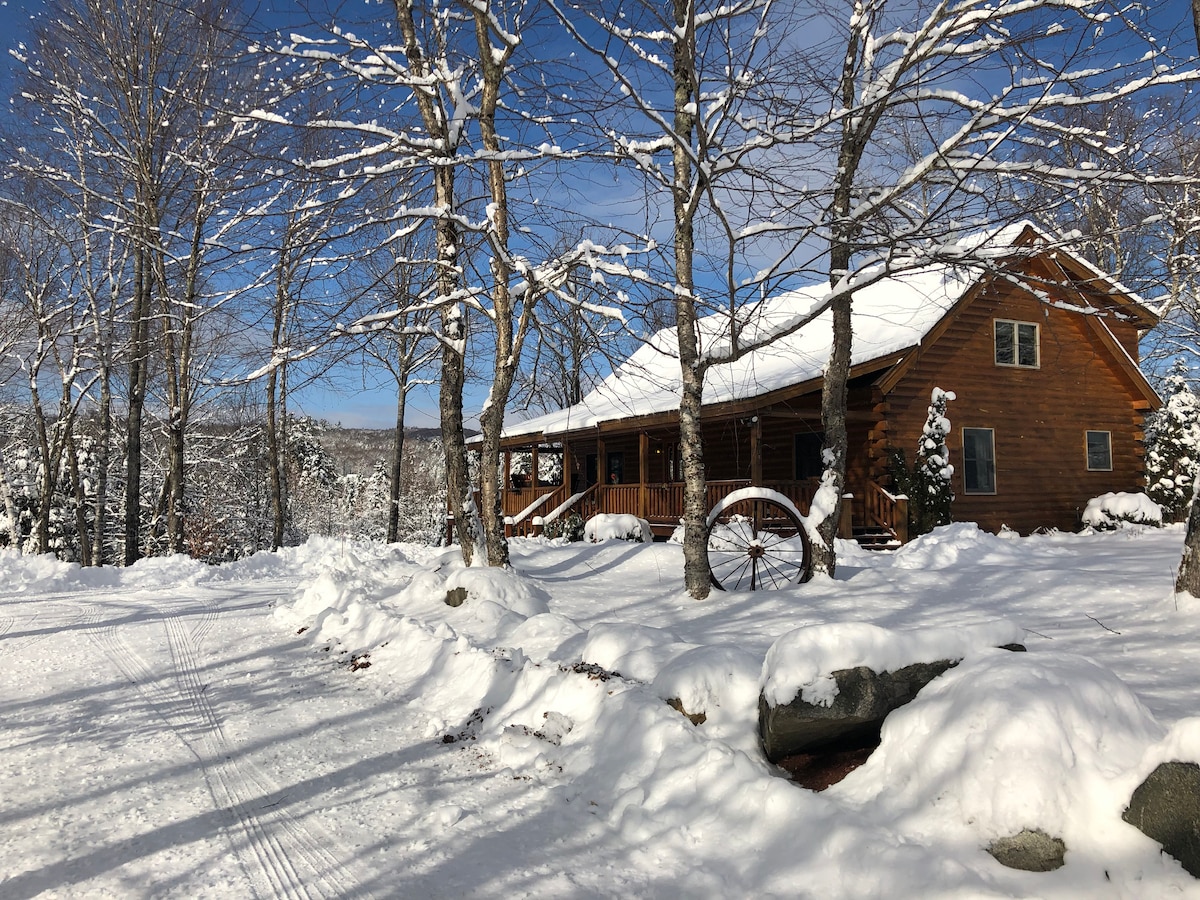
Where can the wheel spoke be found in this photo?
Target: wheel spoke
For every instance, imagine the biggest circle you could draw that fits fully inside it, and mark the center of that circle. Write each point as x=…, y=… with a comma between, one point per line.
x=781, y=571
x=736, y=578
x=731, y=559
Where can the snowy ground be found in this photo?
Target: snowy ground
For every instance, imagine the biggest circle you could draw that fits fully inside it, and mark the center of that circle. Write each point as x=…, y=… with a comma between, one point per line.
x=179, y=730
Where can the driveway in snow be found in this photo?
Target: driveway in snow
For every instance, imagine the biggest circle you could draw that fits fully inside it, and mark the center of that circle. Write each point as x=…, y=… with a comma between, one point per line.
x=147, y=749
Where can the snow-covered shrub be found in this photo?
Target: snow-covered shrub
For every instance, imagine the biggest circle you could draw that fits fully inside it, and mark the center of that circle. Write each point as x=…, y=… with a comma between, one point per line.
x=611, y=527
x=568, y=527
x=927, y=483
x=1173, y=446
x=1113, y=510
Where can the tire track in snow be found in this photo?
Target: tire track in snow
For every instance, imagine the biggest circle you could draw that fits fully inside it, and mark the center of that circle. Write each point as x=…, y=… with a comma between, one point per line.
x=267, y=840
x=244, y=779
x=41, y=620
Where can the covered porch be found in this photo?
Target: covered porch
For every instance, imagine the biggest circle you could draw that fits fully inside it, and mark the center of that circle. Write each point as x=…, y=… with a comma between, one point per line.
x=633, y=467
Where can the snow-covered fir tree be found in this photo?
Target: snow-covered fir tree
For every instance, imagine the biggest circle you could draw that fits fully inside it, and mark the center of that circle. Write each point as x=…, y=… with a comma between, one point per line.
x=1173, y=446
x=927, y=483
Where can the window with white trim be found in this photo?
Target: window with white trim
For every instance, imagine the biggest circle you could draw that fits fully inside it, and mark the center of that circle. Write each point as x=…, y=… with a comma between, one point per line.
x=1099, y=451
x=979, y=461
x=1016, y=343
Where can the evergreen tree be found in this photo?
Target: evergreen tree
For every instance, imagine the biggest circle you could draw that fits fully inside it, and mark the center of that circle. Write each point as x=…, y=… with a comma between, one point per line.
x=1173, y=446
x=927, y=483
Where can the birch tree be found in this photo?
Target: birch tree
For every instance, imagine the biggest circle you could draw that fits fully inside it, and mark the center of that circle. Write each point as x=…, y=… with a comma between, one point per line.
x=442, y=74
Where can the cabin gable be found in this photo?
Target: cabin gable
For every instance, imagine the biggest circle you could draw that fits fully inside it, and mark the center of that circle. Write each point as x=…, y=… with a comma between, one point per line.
x=1037, y=413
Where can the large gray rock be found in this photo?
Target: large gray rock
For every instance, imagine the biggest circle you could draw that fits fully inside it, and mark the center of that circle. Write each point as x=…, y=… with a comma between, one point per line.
x=1031, y=850
x=1166, y=807
x=864, y=699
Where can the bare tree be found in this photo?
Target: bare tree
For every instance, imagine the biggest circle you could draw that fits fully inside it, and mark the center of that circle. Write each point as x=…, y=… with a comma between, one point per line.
x=131, y=92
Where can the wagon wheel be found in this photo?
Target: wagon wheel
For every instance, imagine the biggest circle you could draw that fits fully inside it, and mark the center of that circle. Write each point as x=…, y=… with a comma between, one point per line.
x=757, y=541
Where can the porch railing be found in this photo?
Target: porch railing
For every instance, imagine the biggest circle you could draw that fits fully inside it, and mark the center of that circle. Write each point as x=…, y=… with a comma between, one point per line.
x=887, y=511
x=664, y=502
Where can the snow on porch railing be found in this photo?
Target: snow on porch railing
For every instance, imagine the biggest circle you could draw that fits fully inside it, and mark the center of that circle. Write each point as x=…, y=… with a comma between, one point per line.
x=562, y=507
x=529, y=510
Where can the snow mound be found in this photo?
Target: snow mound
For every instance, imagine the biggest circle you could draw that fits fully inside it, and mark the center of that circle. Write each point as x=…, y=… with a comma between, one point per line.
x=358, y=596
x=1114, y=509
x=801, y=661
x=1006, y=742
x=636, y=651
x=611, y=527
x=29, y=573
x=20, y=574
x=950, y=545
x=720, y=681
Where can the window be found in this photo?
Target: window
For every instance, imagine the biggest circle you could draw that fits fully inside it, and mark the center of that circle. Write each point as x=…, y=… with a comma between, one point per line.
x=808, y=454
x=979, y=461
x=674, y=463
x=1099, y=451
x=616, y=468
x=1016, y=343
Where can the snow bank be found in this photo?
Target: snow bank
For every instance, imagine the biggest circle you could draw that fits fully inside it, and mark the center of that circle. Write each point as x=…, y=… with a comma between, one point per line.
x=955, y=544
x=1006, y=742
x=801, y=662
x=559, y=680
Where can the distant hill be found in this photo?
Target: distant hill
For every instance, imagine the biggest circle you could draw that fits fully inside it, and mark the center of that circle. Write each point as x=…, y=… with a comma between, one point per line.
x=360, y=449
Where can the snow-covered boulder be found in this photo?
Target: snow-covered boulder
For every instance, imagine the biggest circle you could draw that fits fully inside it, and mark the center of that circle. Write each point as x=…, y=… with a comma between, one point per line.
x=1115, y=509
x=829, y=688
x=1166, y=807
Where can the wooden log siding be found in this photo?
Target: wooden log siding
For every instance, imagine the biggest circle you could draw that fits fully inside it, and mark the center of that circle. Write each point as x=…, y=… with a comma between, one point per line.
x=1039, y=415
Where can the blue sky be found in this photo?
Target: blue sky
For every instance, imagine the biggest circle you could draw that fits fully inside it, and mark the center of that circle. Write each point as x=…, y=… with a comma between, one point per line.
x=367, y=399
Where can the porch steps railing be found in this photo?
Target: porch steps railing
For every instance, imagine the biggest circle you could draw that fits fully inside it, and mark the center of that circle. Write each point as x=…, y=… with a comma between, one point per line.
x=886, y=518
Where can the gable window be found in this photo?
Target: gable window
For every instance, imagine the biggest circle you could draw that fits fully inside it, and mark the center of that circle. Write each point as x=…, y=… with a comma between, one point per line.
x=1099, y=451
x=979, y=461
x=1016, y=343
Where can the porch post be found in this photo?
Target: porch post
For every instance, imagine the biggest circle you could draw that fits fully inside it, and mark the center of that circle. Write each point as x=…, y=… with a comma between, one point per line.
x=568, y=463
x=507, y=474
x=756, y=469
x=643, y=471
x=601, y=474
x=533, y=475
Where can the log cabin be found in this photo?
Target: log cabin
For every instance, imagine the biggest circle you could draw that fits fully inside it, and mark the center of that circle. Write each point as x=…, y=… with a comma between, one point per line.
x=1040, y=349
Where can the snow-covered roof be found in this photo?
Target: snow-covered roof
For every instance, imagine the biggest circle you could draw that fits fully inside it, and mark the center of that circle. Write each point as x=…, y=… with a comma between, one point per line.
x=889, y=315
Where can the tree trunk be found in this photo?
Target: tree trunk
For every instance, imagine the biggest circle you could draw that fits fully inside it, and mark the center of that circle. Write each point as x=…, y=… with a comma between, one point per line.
x=855, y=131
x=435, y=119
x=133, y=417
x=833, y=421
x=81, y=519
x=507, y=349
x=1187, y=580
x=696, y=576
x=103, y=453
x=454, y=373
x=393, y=519
x=274, y=463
